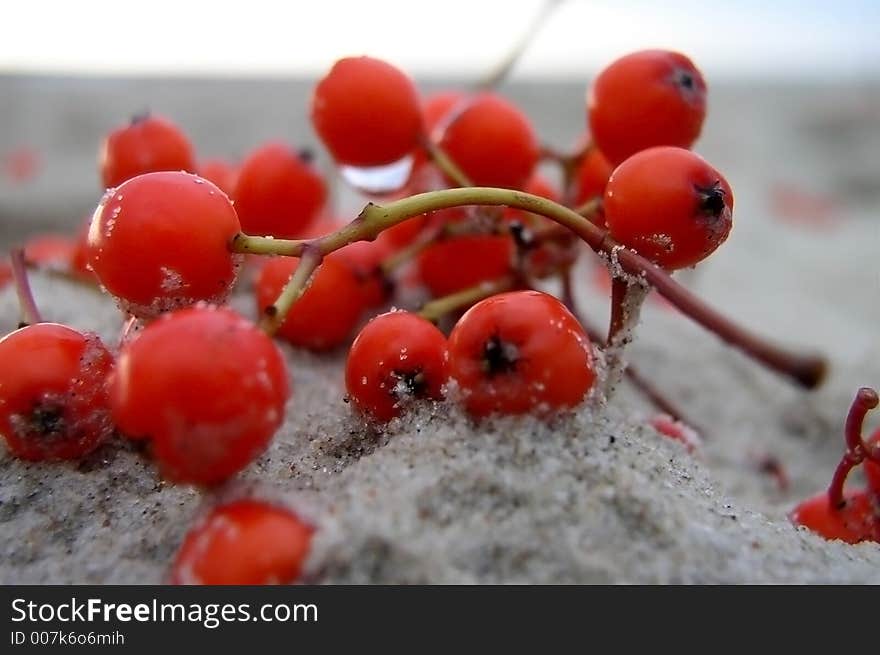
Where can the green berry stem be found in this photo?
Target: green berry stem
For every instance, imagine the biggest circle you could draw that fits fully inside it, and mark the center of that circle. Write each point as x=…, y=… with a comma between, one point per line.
x=436, y=309
x=856, y=451
x=445, y=163
x=30, y=313
x=806, y=369
x=274, y=314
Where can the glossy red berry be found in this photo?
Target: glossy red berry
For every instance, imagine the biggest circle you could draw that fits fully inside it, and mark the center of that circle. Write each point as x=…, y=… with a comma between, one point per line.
x=397, y=358
x=456, y=263
x=492, y=142
x=245, y=542
x=669, y=205
x=856, y=521
x=146, y=145
x=161, y=241
x=591, y=177
x=206, y=387
x=220, y=173
x=520, y=352
x=646, y=99
x=872, y=468
x=278, y=193
x=53, y=396
x=325, y=315
x=367, y=112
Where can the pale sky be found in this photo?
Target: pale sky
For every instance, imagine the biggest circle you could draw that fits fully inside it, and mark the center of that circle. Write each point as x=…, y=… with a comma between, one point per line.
x=763, y=38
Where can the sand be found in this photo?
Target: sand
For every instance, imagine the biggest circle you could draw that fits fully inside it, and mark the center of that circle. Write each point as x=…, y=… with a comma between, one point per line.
x=595, y=496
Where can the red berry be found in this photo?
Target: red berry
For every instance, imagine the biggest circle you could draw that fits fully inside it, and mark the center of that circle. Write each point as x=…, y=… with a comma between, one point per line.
x=519, y=352
x=669, y=205
x=437, y=108
x=161, y=241
x=147, y=144
x=53, y=251
x=456, y=263
x=277, y=193
x=856, y=521
x=245, y=542
x=872, y=469
x=492, y=142
x=364, y=260
x=207, y=387
x=79, y=261
x=367, y=112
x=591, y=177
x=221, y=173
x=398, y=357
x=53, y=396
x=325, y=315
x=646, y=99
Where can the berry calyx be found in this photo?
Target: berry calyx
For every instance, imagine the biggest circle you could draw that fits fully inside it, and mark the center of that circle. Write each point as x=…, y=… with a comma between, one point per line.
x=367, y=112
x=646, y=99
x=245, y=542
x=160, y=241
x=519, y=352
x=397, y=358
x=492, y=142
x=327, y=311
x=853, y=522
x=53, y=396
x=669, y=205
x=278, y=193
x=146, y=145
x=206, y=387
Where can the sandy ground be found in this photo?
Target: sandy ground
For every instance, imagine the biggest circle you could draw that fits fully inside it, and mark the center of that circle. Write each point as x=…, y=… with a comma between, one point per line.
x=595, y=496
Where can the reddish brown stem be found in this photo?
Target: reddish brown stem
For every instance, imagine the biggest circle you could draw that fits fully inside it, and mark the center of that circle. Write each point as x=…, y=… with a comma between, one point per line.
x=30, y=313
x=619, y=287
x=636, y=377
x=856, y=451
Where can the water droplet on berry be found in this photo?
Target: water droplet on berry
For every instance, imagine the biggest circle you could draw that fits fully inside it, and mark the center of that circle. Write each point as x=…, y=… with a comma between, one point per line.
x=378, y=179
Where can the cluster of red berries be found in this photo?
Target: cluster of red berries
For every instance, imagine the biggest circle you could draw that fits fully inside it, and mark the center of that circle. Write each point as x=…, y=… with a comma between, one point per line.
x=206, y=389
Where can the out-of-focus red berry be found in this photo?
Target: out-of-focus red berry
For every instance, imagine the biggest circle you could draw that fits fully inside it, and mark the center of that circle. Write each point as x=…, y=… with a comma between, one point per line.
x=5, y=274
x=520, y=352
x=277, y=193
x=221, y=173
x=364, y=259
x=206, y=387
x=646, y=99
x=327, y=312
x=459, y=262
x=492, y=142
x=146, y=145
x=160, y=241
x=55, y=251
x=397, y=358
x=591, y=177
x=856, y=521
x=367, y=112
x=669, y=205
x=676, y=430
x=79, y=261
x=22, y=165
x=53, y=395
x=244, y=542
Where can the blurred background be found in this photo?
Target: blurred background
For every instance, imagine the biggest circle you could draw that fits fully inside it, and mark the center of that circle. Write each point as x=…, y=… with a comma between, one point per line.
x=794, y=106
